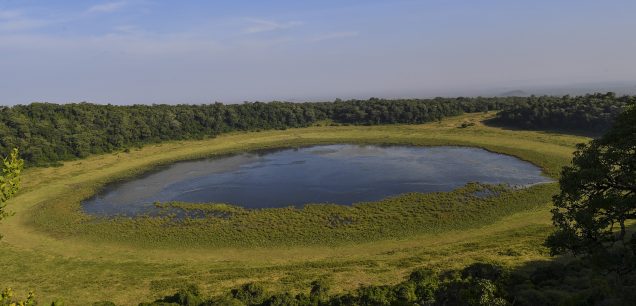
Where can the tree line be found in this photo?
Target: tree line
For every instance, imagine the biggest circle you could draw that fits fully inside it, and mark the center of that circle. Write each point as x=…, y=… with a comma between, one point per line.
x=591, y=114
x=48, y=133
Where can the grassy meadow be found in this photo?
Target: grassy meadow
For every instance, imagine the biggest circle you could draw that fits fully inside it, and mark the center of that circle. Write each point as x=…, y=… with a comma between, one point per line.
x=50, y=246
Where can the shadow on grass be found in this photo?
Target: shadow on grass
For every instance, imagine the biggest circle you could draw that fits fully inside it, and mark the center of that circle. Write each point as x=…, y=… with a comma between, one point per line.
x=561, y=281
x=493, y=122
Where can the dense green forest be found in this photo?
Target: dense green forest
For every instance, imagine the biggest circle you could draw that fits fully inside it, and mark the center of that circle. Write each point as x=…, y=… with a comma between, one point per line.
x=591, y=114
x=47, y=133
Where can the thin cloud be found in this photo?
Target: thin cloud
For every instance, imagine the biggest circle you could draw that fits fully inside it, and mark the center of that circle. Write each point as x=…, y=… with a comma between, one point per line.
x=14, y=20
x=119, y=43
x=334, y=35
x=9, y=14
x=261, y=25
x=107, y=7
x=128, y=29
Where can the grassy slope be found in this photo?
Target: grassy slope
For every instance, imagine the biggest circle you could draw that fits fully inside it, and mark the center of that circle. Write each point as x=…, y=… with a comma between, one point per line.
x=45, y=249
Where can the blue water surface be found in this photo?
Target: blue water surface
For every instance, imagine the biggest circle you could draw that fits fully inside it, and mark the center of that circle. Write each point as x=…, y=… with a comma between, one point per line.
x=340, y=174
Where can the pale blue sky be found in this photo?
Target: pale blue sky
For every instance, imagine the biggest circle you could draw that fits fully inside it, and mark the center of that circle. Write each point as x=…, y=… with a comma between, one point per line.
x=145, y=51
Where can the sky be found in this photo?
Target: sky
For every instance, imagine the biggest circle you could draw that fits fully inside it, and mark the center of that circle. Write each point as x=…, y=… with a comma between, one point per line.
x=145, y=51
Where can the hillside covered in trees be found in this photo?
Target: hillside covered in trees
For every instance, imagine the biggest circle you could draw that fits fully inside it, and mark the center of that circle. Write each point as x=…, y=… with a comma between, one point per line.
x=48, y=133
x=591, y=114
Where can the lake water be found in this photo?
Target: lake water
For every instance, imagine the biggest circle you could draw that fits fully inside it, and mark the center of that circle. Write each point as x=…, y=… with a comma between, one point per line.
x=341, y=174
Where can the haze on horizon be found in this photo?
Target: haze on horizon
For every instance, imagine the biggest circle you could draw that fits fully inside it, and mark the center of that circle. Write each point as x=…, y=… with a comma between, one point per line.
x=144, y=51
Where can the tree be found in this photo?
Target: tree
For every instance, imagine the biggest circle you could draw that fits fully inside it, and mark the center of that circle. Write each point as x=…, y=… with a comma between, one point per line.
x=598, y=196
x=249, y=294
x=9, y=180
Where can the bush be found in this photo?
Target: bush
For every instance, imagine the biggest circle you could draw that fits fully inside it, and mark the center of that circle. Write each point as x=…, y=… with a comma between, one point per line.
x=249, y=294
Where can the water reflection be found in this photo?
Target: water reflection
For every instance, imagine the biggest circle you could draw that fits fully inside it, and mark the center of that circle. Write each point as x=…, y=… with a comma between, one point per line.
x=342, y=174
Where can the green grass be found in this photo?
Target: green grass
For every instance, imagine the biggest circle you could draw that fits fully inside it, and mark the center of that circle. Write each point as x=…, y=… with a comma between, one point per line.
x=322, y=224
x=52, y=247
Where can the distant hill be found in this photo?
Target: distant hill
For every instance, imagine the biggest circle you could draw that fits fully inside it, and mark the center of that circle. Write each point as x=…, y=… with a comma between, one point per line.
x=514, y=93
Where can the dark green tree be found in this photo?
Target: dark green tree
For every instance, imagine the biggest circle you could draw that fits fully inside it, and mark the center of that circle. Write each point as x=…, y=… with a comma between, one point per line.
x=597, y=201
x=249, y=294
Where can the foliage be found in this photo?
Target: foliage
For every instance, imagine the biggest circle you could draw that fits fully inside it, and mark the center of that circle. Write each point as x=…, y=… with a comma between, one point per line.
x=576, y=282
x=9, y=180
x=48, y=133
x=249, y=294
x=189, y=296
x=480, y=284
x=466, y=124
x=597, y=201
x=7, y=298
x=589, y=114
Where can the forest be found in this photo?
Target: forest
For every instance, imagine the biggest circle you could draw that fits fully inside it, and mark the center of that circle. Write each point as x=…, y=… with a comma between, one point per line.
x=48, y=133
x=589, y=114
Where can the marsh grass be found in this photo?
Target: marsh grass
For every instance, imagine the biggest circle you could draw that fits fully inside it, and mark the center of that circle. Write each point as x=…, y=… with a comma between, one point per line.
x=221, y=225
